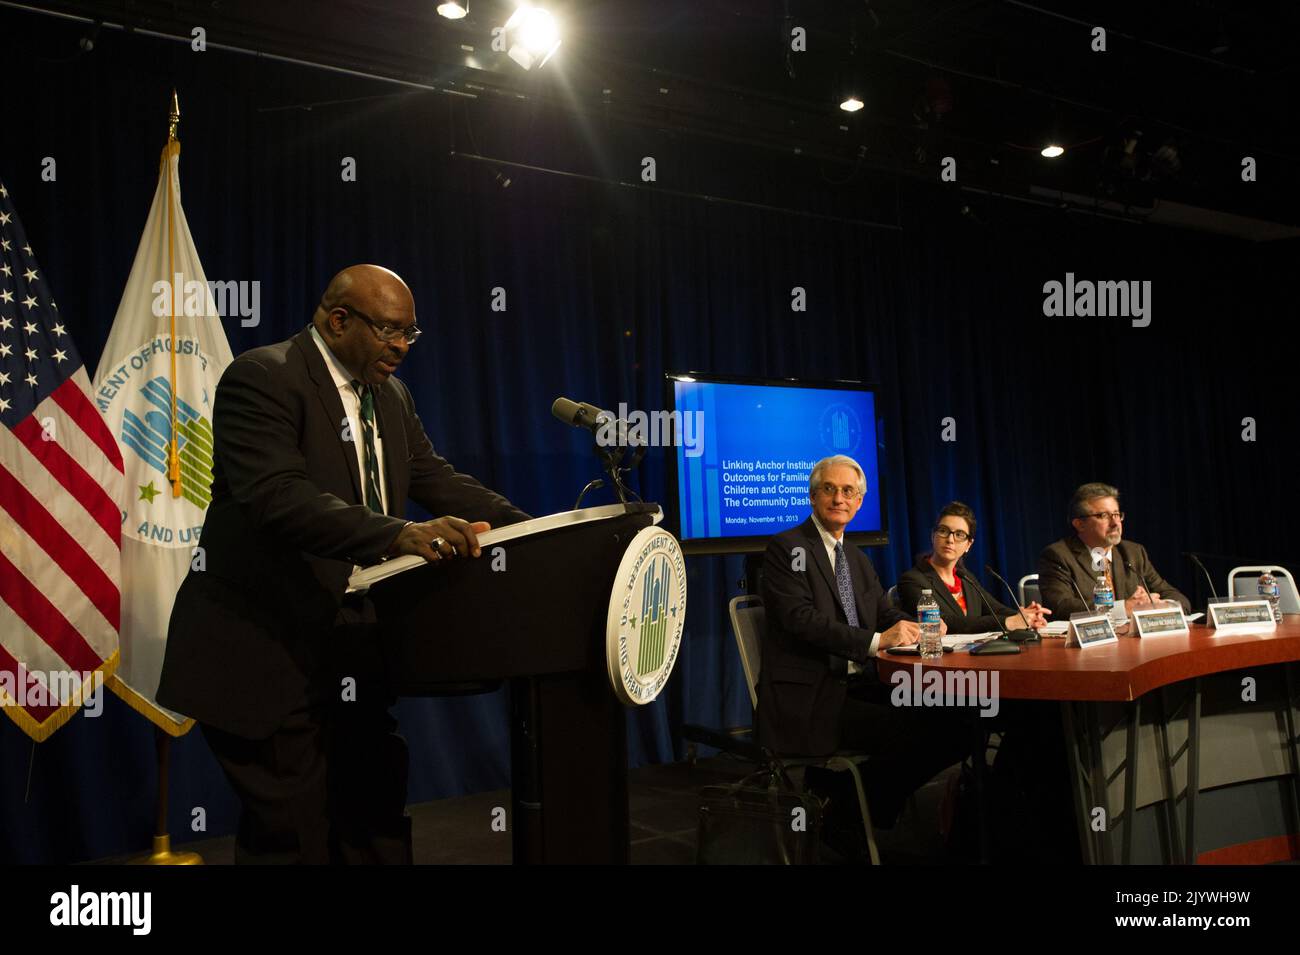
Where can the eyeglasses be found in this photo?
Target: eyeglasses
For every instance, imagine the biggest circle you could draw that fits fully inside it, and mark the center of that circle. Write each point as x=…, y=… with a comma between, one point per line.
x=385, y=333
x=1107, y=515
x=850, y=492
x=944, y=531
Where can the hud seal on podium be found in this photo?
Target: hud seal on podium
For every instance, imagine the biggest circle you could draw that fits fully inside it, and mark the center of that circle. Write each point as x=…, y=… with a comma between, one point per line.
x=647, y=615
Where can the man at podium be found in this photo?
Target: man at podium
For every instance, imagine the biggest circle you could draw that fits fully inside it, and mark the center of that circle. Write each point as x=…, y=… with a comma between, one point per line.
x=316, y=450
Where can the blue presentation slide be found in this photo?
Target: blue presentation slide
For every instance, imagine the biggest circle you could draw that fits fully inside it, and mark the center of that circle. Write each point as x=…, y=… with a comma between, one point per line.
x=748, y=476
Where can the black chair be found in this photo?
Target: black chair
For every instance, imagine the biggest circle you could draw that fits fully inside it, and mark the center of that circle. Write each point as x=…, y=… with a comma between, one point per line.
x=748, y=621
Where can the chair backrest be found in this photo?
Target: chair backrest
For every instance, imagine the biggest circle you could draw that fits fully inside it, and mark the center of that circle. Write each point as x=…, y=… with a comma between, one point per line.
x=748, y=621
x=1029, y=590
x=892, y=596
x=1244, y=582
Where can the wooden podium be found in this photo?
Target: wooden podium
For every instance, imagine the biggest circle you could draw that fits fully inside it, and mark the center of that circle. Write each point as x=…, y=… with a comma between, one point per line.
x=531, y=610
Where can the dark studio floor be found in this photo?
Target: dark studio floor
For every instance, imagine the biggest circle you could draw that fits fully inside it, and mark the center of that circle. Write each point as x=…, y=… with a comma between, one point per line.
x=664, y=804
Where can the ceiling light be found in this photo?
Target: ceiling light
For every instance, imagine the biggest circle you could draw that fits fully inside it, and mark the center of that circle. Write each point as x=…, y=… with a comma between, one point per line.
x=532, y=35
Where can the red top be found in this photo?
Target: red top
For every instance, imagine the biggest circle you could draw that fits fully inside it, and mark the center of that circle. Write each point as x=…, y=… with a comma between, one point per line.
x=954, y=588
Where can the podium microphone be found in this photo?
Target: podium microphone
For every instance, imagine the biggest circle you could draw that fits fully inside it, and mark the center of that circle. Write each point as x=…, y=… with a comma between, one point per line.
x=609, y=430
x=579, y=414
x=619, y=447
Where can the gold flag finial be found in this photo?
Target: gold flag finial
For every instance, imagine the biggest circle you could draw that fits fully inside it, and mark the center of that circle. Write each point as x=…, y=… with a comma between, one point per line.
x=173, y=118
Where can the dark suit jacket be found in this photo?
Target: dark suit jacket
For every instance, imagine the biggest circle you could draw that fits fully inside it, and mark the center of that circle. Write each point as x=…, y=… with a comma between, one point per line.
x=802, y=674
x=980, y=616
x=286, y=524
x=1069, y=558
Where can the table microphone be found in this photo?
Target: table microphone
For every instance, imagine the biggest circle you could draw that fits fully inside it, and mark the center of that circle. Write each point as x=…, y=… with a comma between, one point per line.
x=1208, y=579
x=1027, y=635
x=1079, y=593
x=1006, y=634
x=1007, y=643
x=1128, y=569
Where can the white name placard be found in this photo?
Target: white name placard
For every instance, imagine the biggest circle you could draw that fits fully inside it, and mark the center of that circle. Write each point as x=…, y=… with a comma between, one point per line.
x=1246, y=616
x=1091, y=630
x=1166, y=621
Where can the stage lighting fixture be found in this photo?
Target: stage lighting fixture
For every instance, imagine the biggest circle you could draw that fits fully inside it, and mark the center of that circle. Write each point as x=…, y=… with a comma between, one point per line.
x=1052, y=150
x=532, y=36
x=851, y=83
x=1165, y=161
x=454, y=10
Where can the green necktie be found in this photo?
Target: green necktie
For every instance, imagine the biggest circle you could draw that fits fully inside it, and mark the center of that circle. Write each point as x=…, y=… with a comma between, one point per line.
x=371, y=478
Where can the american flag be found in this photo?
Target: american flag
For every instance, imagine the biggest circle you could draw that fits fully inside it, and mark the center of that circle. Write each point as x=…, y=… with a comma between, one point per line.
x=60, y=520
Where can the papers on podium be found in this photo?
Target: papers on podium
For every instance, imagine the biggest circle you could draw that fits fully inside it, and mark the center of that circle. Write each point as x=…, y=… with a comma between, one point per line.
x=367, y=577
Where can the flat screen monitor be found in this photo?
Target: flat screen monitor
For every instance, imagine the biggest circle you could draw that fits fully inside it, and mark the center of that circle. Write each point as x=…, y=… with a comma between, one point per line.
x=745, y=450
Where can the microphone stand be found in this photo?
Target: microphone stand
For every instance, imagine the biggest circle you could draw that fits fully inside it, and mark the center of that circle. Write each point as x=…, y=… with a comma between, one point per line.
x=1128, y=569
x=1079, y=593
x=611, y=452
x=1008, y=642
x=1027, y=635
x=1208, y=579
x=612, y=458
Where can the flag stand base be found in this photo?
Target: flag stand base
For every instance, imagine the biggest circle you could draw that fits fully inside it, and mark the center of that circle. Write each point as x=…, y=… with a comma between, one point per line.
x=162, y=855
x=162, y=842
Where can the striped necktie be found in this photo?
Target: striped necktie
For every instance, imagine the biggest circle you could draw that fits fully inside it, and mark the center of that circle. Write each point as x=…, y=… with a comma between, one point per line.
x=371, y=478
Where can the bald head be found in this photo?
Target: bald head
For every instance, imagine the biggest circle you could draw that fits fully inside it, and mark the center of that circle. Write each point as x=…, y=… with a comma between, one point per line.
x=357, y=302
x=363, y=285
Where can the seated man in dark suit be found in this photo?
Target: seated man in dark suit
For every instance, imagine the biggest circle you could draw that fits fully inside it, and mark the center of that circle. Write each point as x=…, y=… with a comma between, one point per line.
x=826, y=608
x=1096, y=549
x=316, y=449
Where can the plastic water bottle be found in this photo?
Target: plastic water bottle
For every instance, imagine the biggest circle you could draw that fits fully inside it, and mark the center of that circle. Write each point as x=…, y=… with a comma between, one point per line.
x=927, y=612
x=1268, y=590
x=1103, y=598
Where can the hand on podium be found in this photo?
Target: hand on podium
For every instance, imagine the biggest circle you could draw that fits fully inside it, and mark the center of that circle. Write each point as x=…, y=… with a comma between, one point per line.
x=440, y=539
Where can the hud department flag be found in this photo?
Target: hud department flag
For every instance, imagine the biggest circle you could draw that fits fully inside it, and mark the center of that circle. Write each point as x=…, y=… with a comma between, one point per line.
x=60, y=527
x=155, y=385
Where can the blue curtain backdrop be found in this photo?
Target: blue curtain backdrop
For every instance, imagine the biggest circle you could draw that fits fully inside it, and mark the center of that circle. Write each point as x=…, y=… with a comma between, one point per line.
x=607, y=287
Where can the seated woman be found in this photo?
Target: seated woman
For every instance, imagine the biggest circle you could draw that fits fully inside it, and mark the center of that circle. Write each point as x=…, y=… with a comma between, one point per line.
x=961, y=604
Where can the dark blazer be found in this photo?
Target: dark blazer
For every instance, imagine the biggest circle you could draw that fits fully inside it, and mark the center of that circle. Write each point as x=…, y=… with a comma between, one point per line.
x=1069, y=558
x=980, y=616
x=286, y=524
x=802, y=676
